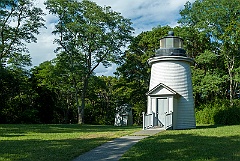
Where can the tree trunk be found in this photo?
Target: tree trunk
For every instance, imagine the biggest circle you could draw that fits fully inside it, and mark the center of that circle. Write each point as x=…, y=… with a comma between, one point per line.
x=80, y=116
x=81, y=110
x=231, y=89
x=231, y=81
x=76, y=97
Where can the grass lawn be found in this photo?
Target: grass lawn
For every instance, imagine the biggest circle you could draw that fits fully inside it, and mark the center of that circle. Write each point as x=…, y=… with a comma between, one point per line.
x=204, y=143
x=54, y=142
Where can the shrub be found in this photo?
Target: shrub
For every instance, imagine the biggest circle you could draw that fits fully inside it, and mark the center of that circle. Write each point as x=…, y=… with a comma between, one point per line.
x=229, y=116
x=219, y=112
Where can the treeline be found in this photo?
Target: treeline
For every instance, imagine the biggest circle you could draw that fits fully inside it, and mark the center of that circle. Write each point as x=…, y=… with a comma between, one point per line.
x=45, y=95
x=66, y=89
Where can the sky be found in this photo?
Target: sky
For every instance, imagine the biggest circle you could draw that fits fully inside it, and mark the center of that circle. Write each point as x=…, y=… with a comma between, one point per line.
x=144, y=14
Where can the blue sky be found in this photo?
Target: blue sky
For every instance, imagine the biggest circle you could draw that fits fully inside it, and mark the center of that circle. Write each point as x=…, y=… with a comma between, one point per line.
x=144, y=14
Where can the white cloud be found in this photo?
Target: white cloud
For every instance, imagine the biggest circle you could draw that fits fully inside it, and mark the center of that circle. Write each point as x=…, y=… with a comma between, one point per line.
x=147, y=14
x=43, y=50
x=144, y=14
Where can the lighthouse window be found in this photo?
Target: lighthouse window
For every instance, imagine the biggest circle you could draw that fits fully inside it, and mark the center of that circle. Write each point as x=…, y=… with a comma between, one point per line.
x=176, y=43
x=180, y=44
x=169, y=43
x=162, y=43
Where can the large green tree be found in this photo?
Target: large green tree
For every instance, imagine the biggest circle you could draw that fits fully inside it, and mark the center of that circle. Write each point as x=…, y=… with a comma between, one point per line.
x=91, y=33
x=220, y=19
x=19, y=21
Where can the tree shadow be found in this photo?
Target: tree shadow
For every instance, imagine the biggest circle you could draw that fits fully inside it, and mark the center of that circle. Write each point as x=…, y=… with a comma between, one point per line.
x=207, y=126
x=11, y=135
x=8, y=129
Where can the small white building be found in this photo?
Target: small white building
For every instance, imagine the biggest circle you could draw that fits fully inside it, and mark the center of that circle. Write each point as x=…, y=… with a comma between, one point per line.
x=123, y=116
x=170, y=95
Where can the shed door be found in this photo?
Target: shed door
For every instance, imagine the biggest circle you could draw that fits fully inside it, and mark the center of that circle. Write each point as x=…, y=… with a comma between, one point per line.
x=162, y=109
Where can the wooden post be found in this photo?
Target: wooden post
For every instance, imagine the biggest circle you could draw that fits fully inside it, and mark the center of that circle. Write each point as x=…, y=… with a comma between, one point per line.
x=143, y=120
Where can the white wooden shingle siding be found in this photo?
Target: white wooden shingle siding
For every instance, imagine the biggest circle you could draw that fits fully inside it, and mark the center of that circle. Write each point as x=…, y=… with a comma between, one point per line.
x=175, y=72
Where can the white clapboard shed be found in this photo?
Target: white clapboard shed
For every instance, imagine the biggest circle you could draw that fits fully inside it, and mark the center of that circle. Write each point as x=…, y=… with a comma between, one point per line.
x=170, y=95
x=123, y=116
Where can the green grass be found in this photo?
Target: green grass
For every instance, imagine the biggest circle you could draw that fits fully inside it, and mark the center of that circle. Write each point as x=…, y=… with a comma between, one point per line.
x=204, y=143
x=54, y=142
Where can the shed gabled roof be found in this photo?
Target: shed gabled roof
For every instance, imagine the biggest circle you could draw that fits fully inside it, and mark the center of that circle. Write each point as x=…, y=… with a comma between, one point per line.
x=162, y=89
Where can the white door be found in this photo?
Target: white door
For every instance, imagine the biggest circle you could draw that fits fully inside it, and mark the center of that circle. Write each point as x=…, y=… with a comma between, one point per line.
x=162, y=109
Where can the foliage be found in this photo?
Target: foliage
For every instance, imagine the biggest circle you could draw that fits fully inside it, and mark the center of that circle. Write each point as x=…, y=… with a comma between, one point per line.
x=203, y=143
x=220, y=20
x=19, y=21
x=55, y=100
x=208, y=78
x=195, y=41
x=16, y=96
x=101, y=101
x=54, y=142
x=206, y=112
x=56, y=96
x=219, y=112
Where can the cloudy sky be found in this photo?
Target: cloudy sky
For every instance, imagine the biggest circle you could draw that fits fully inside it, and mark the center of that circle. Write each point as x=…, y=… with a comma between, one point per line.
x=144, y=14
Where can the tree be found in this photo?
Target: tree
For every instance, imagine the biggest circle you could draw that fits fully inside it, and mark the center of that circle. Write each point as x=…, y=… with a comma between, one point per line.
x=19, y=21
x=92, y=33
x=220, y=20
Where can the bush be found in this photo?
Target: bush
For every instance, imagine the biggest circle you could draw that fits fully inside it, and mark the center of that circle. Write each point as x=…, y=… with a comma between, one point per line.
x=219, y=112
x=229, y=116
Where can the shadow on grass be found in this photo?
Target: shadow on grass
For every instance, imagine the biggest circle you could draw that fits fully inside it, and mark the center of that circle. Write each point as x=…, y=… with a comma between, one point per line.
x=46, y=150
x=11, y=135
x=207, y=126
x=185, y=147
x=7, y=129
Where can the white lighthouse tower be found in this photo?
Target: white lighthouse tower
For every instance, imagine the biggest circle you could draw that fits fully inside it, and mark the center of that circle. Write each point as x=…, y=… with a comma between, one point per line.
x=170, y=95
